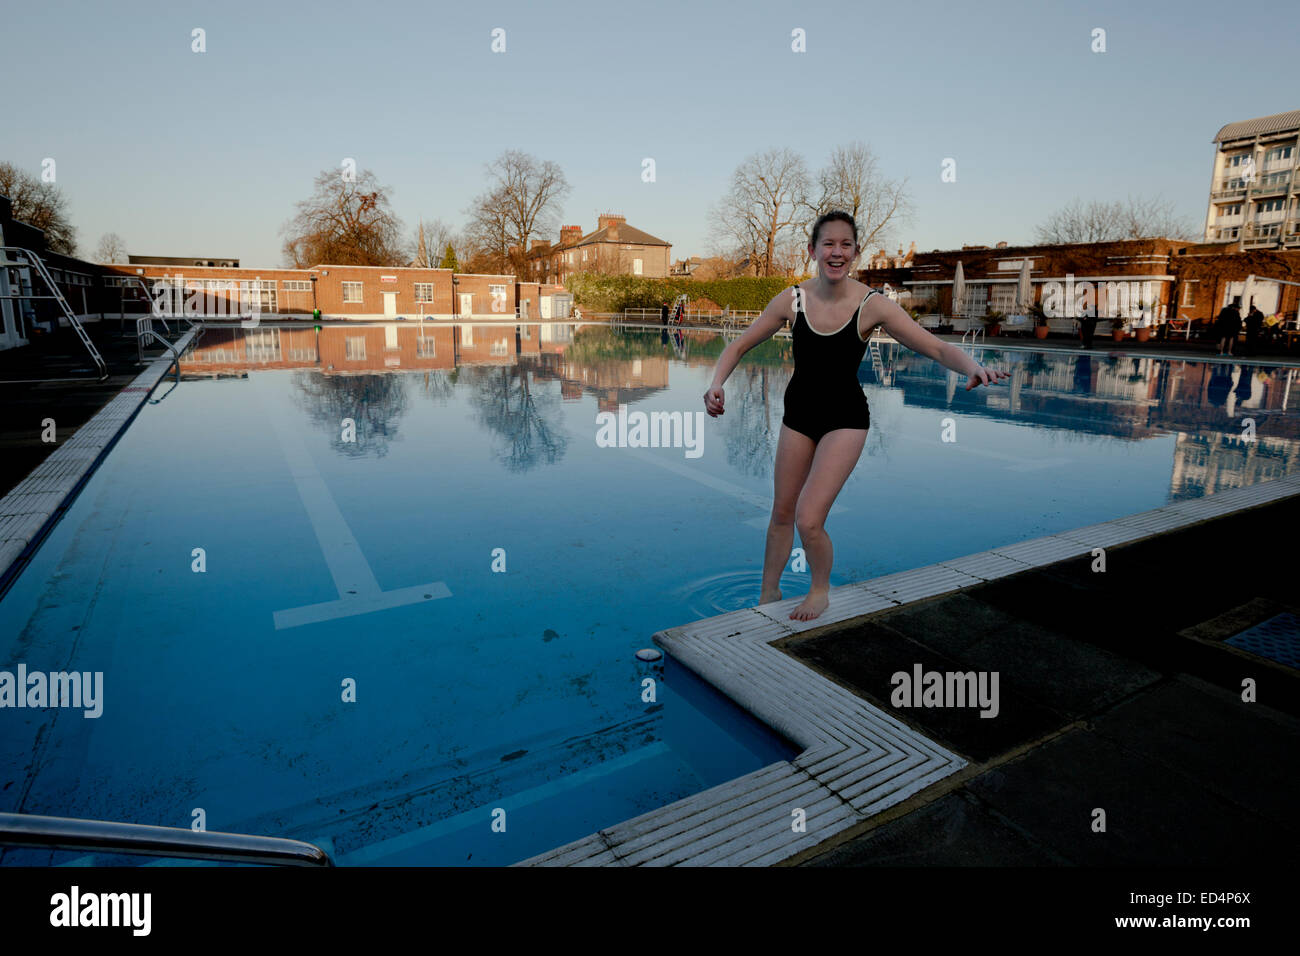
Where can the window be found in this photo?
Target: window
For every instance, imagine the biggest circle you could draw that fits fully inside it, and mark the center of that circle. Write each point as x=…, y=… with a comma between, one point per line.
x=498, y=296
x=1004, y=297
x=636, y=267
x=352, y=293
x=425, y=347
x=355, y=345
x=262, y=291
x=500, y=347
x=1232, y=233
x=1239, y=159
x=1232, y=210
x=1269, y=205
x=584, y=255
x=297, y=285
x=1189, y=292
x=1278, y=152
x=424, y=292
x=923, y=293
x=302, y=355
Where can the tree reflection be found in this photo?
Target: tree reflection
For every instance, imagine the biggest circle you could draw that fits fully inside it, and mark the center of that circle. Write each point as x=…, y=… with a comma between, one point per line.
x=506, y=404
x=374, y=402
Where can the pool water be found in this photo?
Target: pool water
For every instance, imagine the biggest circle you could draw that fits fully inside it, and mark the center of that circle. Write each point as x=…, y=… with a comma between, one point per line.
x=395, y=644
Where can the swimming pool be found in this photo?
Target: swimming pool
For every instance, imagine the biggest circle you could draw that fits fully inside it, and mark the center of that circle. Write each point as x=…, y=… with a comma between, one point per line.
x=478, y=572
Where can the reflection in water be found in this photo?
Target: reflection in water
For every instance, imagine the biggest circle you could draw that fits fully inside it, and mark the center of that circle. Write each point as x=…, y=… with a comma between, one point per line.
x=517, y=377
x=526, y=419
x=373, y=402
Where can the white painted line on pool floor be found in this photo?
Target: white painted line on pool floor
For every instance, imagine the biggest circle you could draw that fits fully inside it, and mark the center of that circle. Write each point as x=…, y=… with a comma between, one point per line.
x=359, y=590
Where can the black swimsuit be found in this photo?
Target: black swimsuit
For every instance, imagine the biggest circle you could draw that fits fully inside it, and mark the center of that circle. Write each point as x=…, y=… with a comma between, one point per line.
x=824, y=393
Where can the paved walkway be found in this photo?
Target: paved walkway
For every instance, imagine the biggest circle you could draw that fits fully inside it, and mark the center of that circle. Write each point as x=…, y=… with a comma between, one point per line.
x=1116, y=693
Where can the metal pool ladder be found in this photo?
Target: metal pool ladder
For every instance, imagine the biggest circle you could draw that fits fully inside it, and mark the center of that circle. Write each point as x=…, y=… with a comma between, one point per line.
x=66, y=833
x=32, y=261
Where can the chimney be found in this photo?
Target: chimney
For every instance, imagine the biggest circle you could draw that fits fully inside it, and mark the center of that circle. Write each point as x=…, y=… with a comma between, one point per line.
x=611, y=220
x=542, y=244
x=569, y=234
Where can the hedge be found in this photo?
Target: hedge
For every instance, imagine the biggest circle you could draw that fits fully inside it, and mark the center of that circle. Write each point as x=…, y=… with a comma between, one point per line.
x=618, y=293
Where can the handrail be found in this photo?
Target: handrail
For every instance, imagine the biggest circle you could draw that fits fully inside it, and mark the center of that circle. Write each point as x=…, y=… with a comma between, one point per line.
x=34, y=262
x=67, y=833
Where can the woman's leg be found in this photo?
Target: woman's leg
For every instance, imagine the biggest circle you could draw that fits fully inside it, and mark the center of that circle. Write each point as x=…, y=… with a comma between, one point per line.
x=837, y=454
x=794, y=456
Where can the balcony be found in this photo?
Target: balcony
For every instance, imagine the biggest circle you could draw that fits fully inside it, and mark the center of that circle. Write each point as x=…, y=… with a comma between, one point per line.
x=1226, y=191
x=1275, y=185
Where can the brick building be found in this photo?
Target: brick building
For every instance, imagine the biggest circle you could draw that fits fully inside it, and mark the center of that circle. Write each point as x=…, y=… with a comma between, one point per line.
x=613, y=248
x=1182, y=281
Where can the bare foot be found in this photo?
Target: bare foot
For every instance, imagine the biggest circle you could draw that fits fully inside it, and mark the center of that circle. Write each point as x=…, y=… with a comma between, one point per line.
x=770, y=597
x=812, y=606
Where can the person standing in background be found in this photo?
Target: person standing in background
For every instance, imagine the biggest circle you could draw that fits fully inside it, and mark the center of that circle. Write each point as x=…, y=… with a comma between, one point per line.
x=1227, y=325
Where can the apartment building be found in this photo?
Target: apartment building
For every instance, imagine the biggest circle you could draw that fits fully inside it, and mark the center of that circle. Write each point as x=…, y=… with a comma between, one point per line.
x=1254, y=199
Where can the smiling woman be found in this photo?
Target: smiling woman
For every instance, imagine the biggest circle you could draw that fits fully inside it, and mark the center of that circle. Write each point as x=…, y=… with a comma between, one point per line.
x=826, y=416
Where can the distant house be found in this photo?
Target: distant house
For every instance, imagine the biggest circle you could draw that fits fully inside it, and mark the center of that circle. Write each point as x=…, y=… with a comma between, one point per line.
x=613, y=248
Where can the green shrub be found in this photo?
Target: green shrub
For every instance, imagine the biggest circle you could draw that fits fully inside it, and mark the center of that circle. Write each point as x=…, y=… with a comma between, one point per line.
x=605, y=293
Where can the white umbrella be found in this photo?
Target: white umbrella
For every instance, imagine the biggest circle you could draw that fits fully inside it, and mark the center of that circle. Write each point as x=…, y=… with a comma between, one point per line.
x=1245, y=293
x=958, y=289
x=1024, y=290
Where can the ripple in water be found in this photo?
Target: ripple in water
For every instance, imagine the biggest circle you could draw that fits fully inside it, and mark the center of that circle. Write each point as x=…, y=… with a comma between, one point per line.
x=733, y=590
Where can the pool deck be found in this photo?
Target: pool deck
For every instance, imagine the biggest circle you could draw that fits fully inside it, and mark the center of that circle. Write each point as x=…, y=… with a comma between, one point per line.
x=33, y=504
x=1116, y=694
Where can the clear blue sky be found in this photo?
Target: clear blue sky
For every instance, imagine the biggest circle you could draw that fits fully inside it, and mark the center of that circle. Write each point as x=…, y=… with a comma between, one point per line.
x=205, y=154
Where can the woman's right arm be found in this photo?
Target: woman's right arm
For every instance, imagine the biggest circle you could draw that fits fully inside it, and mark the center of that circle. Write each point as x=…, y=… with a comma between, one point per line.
x=777, y=313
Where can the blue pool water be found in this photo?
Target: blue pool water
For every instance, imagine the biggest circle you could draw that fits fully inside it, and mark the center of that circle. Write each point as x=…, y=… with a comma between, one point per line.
x=373, y=561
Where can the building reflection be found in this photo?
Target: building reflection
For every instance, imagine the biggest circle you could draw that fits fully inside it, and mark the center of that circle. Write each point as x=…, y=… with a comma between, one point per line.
x=1233, y=424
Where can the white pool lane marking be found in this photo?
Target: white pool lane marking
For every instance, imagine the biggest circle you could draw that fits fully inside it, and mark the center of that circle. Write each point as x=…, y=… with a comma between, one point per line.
x=359, y=590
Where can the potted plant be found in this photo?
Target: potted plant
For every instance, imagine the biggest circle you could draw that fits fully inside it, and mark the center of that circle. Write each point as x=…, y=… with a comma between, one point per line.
x=991, y=321
x=1117, y=330
x=1040, y=320
x=1142, y=329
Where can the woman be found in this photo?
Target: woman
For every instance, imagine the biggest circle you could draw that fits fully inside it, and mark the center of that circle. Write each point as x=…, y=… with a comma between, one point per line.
x=826, y=415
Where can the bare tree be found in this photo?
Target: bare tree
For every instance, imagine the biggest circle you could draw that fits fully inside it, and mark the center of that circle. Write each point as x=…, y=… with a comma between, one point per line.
x=523, y=201
x=437, y=235
x=39, y=204
x=762, y=208
x=1098, y=221
x=345, y=222
x=487, y=235
x=111, y=248
x=852, y=181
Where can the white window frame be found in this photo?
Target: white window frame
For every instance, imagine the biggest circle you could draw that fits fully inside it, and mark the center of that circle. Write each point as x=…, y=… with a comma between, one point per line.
x=421, y=295
x=354, y=348
x=354, y=288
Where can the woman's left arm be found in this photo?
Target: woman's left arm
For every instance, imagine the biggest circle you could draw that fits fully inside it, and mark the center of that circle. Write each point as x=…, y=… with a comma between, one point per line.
x=890, y=316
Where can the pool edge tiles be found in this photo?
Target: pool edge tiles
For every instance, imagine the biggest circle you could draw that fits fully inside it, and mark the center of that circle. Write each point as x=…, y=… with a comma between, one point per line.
x=857, y=760
x=32, y=508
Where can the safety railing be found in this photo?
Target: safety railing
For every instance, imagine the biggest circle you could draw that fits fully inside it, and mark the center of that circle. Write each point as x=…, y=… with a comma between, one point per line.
x=27, y=259
x=67, y=833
